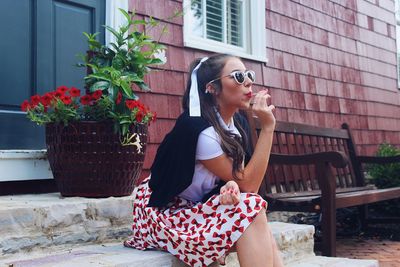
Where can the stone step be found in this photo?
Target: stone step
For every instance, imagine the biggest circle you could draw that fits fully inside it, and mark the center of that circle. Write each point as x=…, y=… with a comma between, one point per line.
x=115, y=255
x=37, y=221
x=33, y=222
x=319, y=261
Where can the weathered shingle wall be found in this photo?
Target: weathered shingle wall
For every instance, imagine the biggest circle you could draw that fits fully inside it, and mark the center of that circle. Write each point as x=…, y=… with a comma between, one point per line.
x=337, y=63
x=329, y=62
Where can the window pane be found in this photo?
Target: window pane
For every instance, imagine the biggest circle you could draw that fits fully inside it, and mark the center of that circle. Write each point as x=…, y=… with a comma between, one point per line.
x=196, y=15
x=214, y=20
x=234, y=14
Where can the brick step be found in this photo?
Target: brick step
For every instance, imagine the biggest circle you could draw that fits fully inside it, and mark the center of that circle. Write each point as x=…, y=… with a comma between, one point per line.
x=34, y=222
x=115, y=255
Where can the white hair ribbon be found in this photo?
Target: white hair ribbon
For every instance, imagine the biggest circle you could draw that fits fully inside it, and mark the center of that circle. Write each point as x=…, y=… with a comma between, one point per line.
x=194, y=100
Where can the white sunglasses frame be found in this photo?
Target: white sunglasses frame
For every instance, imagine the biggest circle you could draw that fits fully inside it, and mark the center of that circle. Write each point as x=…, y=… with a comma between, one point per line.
x=232, y=74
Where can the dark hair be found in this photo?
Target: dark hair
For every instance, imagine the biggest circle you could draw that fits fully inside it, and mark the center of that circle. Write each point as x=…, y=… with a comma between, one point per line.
x=231, y=144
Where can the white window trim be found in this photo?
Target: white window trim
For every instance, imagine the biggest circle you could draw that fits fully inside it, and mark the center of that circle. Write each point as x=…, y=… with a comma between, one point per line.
x=257, y=48
x=114, y=17
x=21, y=165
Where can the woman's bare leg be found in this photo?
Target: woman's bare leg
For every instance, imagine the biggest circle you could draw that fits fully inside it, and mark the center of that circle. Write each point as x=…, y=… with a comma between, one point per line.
x=256, y=247
x=278, y=261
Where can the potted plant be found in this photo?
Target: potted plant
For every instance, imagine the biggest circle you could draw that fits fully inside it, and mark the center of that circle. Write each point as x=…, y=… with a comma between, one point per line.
x=96, y=139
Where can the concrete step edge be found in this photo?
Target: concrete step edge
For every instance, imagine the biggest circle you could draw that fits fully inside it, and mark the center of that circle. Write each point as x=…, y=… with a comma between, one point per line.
x=115, y=255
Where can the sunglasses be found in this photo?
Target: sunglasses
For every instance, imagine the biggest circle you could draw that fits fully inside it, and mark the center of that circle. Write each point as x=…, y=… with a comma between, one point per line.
x=239, y=76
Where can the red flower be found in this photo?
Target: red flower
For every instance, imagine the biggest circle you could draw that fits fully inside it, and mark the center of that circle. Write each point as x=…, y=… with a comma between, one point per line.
x=131, y=104
x=97, y=94
x=119, y=98
x=74, y=92
x=46, y=99
x=141, y=106
x=58, y=94
x=86, y=99
x=139, y=116
x=25, y=106
x=66, y=99
x=154, y=118
x=62, y=89
x=35, y=99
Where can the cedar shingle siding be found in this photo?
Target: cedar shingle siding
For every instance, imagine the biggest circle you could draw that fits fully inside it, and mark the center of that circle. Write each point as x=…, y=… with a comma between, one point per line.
x=329, y=62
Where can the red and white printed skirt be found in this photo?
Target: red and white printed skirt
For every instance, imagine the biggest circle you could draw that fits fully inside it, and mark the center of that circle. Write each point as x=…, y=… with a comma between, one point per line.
x=197, y=233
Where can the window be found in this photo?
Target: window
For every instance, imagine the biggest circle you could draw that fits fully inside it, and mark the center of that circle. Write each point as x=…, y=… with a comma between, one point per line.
x=397, y=11
x=226, y=26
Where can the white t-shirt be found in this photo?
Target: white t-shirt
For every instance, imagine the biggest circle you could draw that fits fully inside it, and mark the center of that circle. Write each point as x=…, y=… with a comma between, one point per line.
x=208, y=147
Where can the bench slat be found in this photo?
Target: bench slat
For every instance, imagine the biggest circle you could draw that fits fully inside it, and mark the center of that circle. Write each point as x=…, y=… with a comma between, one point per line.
x=318, y=192
x=366, y=197
x=298, y=128
x=343, y=199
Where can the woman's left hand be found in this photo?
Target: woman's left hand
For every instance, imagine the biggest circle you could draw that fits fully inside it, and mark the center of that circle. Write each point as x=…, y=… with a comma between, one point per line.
x=229, y=194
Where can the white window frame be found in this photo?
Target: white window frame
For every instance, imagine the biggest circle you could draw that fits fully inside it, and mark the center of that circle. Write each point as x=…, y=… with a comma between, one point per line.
x=114, y=17
x=254, y=49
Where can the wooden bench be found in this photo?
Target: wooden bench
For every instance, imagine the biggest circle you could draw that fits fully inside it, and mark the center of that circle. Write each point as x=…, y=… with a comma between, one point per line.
x=314, y=169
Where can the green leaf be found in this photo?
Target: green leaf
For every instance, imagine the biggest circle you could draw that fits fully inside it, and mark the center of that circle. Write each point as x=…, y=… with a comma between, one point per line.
x=100, y=76
x=118, y=62
x=113, y=31
x=158, y=46
x=124, y=128
x=156, y=61
x=94, y=43
x=90, y=36
x=125, y=121
x=93, y=67
x=132, y=77
x=139, y=21
x=112, y=92
x=112, y=114
x=126, y=88
x=100, y=85
x=126, y=15
x=86, y=34
x=115, y=47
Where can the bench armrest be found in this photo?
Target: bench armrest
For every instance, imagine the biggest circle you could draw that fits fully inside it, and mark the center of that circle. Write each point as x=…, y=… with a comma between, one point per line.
x=379, y=160
x=338, y=159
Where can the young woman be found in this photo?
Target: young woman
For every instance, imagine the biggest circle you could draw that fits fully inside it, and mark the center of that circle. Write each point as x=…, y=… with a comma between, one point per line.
x=201, y=200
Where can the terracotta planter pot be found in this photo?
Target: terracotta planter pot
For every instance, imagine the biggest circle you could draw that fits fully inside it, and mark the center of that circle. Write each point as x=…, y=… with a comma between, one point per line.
x=88, y=160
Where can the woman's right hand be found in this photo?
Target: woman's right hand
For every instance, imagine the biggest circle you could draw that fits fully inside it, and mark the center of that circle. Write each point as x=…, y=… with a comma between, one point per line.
x=263, y=110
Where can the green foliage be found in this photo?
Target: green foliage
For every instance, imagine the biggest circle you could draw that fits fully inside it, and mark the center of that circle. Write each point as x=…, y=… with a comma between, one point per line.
x=127, y=60
x=385, y=176
x=99, y=111
x=111, y=74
